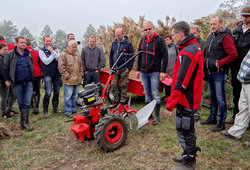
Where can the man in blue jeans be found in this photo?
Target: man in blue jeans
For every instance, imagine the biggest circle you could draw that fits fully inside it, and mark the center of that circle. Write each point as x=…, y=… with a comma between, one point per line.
x=152, y=67
x=70, y=66
x=19, y=71
x=220, y=51
x=52, y=78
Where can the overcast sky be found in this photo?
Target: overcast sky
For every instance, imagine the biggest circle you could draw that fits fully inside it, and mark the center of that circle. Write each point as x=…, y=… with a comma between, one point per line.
x=75, y=15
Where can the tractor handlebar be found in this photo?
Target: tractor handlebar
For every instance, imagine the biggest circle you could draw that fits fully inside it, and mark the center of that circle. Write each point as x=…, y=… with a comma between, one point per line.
x=69, y=120
x=114, y=68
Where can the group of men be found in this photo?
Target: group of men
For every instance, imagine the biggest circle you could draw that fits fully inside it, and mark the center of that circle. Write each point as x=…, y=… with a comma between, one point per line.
x=221, y=51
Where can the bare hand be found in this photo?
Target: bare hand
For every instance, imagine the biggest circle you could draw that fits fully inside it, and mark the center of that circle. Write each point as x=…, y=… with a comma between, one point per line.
x=56, y=50
x=168, y=113
x=50, y=49
x=7, y=84
x=138, y=74
x=162, y=76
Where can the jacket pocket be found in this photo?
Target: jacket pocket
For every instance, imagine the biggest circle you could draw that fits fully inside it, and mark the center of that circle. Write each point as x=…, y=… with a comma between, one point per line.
x=211, y=62
x=186, y=123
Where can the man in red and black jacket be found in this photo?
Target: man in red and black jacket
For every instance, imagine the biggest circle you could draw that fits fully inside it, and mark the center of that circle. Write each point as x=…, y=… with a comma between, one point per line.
x=186, y=91
x=38, y=73
x=152, y=67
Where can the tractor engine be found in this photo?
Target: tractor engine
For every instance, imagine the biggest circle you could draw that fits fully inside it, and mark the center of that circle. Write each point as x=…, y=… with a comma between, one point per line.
x=91, y=94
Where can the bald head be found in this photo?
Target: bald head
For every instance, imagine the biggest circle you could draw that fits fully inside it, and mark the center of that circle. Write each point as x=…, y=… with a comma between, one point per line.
x=119, y=34
x=148, y=29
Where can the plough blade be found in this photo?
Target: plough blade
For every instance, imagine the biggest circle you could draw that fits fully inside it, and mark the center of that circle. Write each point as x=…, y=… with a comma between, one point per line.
x=144, y=113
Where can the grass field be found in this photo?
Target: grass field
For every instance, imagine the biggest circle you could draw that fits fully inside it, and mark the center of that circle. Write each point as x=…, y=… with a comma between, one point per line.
x=52, y=146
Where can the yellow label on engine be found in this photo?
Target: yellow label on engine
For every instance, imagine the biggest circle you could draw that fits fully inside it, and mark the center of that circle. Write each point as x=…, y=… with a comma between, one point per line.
x=91, y=99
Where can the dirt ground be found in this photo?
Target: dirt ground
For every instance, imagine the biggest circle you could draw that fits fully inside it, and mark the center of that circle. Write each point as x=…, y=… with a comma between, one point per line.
x=9, y=130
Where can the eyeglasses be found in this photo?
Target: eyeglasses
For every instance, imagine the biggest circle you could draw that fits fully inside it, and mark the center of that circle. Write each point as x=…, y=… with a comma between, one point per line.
x=174, y=34
x=147, y=29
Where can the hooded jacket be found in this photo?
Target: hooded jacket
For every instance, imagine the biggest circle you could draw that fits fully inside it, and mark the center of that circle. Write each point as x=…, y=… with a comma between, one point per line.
x=116, y=49
x=70, y=67
x=187, y=76
x=157, y=62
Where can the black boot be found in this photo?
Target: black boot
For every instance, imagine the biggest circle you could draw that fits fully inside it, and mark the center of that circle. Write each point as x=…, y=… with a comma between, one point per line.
x=24, y=120
x=157, y=114
x=55, y=107
x=186, y=164
x=45, y=110
x=178, y=160
x=36, y=104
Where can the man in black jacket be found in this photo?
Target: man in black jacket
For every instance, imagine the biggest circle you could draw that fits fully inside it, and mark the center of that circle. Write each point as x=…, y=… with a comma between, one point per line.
x=152, y=67
x=241, y=37
x=19, y=71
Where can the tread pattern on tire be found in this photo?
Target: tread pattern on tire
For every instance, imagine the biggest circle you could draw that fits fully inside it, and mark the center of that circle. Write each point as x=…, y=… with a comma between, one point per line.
x=99, y=134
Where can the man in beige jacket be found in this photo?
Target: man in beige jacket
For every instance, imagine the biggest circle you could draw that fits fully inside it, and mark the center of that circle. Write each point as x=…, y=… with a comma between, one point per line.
x=70, y=67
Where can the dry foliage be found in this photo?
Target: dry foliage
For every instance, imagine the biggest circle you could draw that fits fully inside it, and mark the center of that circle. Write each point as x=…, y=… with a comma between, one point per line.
x=133, y=30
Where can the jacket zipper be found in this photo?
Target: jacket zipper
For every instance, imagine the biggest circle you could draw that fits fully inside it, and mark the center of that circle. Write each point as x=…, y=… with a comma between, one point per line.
x=146, y=58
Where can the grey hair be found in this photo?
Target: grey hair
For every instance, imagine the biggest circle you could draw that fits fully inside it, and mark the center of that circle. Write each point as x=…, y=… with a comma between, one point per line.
x=181, y=26
x=197, y=27
x=220, y=19
x=72, y=42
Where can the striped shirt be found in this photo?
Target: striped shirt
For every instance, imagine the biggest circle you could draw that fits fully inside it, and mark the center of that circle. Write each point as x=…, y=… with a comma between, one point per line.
x=244, y=73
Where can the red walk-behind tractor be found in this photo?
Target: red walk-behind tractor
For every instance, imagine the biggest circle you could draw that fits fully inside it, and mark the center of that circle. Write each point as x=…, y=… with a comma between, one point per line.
x=106, y=124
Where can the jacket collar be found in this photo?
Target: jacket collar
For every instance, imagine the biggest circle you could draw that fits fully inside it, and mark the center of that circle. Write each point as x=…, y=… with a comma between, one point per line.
x=25, y=51
x=188, y=40
x=154, y=35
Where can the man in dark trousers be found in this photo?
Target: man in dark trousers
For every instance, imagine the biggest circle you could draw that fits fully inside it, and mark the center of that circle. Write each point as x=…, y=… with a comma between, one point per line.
x=241, y=36
x=186, y=92
x=121, y=42
x=19, y=71
x=195, y=29
x=37, y=63
x=52, y=78
x=152, y=67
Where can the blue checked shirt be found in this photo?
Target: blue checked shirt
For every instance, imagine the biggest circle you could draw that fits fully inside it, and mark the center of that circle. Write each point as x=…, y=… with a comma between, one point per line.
x=244, y=73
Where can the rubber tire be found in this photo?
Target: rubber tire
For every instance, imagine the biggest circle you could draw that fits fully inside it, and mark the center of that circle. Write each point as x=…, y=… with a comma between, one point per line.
x=103, y=125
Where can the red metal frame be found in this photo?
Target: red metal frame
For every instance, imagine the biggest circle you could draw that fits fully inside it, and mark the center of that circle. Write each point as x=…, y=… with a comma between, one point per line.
x=134, y=85
x=82, y=129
